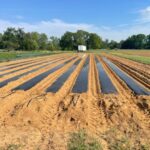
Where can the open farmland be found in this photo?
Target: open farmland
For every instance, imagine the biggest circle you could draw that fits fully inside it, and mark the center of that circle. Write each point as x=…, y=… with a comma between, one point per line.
x=13, y=55
x=142, y=56
x=43, y=99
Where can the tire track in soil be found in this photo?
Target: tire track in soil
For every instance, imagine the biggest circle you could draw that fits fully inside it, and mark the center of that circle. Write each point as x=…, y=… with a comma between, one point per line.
x=54, y=109
x=95, y=117
x=50, y=78
x=56, y=115
x=50, y=116
x=123, y=113
x=65, y=89
x=19, y=98
x=118, y=110
x=78, y=111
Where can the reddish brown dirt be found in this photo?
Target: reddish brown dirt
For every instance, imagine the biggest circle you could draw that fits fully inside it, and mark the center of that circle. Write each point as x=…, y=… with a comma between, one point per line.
x=144, y=69
x=34, y=119
x=139, y=72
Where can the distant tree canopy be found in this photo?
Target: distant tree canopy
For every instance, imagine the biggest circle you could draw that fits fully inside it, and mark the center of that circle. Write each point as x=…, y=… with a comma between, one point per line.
x=139, y=41
x=18, y=39
x=94, y=41
x=53, y=44
x=135, y=42
x=70, y=41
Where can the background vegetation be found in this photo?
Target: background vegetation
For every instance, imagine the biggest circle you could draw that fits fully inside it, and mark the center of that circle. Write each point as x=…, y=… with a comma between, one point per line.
x=12, y=55
x=82, y=141
x=134, y=57
x=17, y=39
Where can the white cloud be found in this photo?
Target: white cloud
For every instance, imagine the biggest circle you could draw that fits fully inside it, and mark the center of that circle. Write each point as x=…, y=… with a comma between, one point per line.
x=52, y=27
x=58, y=27
x=144, y=15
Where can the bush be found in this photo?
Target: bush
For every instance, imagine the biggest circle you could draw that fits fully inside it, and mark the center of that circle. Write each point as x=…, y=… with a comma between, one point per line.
x=81, y=141
x=11, y=147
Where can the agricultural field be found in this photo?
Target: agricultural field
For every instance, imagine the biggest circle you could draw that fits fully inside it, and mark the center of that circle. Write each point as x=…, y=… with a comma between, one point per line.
x=142, y=56
x=15, y=55
x=45, y=99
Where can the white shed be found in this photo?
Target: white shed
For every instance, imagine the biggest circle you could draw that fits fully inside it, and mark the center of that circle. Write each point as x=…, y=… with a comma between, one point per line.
x=82, y=48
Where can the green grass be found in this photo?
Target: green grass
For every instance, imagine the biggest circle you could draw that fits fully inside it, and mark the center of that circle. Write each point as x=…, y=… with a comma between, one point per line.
x=81, y=141
x=11, y=147
x=135, y=55
x=137, y=58
x=142, y=56
x=117, y=140
x=13, y=55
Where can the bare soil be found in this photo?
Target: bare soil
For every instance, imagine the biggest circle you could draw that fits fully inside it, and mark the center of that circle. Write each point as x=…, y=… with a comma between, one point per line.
x=34, y=119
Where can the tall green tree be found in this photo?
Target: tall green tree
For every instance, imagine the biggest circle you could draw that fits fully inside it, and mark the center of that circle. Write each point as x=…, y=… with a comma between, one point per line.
x=1, y=41
x=10, y=40
x=17, y=39
x=29, y=42
x=147, y=45
x=94, y=41
x=54, y=43
x=135, y=42
x=105, y=44
x=67, y=41
x=114, y=44
x=81, y=38
x=42, y=41
x=20, y=38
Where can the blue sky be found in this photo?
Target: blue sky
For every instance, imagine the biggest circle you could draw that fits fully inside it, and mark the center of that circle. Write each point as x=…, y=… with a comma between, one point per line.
x=112, y=19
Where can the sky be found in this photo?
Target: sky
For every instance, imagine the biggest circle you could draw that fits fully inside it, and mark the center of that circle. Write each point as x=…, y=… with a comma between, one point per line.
x=111, y=19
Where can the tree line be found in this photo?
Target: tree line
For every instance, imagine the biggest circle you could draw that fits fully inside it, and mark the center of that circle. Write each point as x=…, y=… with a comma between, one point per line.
x=18, y=39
